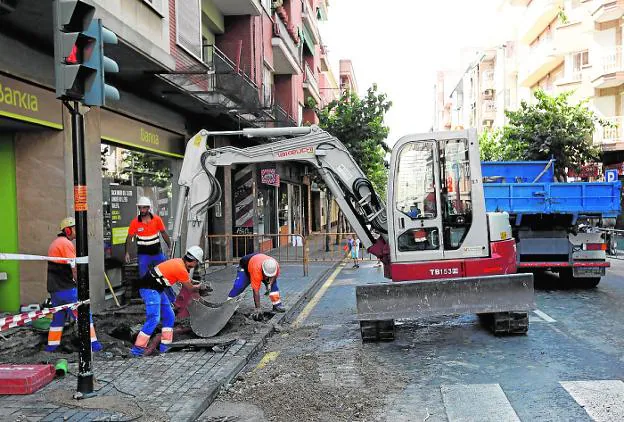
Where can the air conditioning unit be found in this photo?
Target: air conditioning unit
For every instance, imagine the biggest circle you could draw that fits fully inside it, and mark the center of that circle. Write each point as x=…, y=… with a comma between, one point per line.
x=488, y=93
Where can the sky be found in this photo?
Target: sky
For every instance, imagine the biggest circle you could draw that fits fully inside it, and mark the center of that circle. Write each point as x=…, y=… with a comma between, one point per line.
x=400, y=44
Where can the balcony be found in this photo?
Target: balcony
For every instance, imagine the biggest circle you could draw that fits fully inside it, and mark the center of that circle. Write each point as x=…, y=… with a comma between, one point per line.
x=311, y=86
x=542, y=59
x=286, y=54
x=608, y=10
x=611, y=138
x=488, y=110
x=310, y=22
x=609, y=69
x=238, y=7
x=538, y=15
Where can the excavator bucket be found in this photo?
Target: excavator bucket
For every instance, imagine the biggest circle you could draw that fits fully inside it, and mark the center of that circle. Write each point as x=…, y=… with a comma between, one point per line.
x=507, y=298
x=206, y=320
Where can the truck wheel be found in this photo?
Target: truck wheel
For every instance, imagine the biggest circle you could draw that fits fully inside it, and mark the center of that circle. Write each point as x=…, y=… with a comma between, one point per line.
x=587, y=282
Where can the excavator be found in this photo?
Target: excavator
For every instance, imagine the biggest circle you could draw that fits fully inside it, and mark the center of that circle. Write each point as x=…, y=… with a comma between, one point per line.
x=442, y=252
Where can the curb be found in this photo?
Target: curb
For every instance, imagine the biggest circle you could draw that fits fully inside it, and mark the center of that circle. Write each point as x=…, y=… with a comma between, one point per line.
x=236, y=365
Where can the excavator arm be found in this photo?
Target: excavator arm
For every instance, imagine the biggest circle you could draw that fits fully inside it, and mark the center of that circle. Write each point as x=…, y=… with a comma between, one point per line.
x=200, y=190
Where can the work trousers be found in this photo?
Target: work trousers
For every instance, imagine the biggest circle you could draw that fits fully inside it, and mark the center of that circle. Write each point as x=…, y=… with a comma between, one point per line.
x=242, y=281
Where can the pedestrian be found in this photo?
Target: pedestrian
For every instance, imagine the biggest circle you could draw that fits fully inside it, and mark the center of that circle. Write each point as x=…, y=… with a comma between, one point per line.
x=61, y=285
x=354, y=247
x=147, y=228
x=256, y=269
x=157, y=304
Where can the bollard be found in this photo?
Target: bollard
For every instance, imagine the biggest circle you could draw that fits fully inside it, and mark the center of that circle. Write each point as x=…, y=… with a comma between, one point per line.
x=61, y=367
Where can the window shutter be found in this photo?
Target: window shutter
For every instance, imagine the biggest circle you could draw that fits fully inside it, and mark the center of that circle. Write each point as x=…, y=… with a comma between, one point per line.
x=188, y=25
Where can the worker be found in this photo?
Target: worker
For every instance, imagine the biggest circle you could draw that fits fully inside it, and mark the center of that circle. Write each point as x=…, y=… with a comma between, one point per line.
x=256, y=269
x=157, y=304
x=147, y=228
x=414, y=211
x=61, y=285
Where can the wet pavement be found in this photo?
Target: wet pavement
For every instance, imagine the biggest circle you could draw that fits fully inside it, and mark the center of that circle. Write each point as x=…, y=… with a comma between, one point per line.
x=570, y=366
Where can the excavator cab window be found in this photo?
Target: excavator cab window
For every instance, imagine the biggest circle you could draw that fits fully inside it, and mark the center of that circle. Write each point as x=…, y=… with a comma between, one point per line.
x=455, y=192
x=416, y=194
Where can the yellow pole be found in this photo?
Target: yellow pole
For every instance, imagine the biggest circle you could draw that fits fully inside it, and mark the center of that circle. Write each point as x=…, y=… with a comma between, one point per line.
x=110, y=286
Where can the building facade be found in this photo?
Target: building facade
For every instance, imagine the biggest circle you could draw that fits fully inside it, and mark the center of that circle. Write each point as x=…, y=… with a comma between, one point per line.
x=556, y=46
x=184, y=66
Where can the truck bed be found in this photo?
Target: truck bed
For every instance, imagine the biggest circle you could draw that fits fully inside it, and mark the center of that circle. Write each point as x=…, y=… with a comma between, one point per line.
x=600, y=199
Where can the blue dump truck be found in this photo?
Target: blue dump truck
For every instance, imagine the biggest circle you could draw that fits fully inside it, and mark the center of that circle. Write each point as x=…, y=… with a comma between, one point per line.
x=556, y=225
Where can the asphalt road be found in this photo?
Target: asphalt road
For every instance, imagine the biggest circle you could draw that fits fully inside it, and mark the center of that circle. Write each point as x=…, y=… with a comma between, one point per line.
x=570, y=366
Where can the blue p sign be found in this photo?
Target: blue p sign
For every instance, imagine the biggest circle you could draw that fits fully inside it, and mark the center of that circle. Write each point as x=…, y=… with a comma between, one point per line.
x=611, y=176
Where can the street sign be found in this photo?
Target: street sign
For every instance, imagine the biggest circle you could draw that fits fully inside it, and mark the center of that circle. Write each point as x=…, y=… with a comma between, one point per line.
x=611, y=175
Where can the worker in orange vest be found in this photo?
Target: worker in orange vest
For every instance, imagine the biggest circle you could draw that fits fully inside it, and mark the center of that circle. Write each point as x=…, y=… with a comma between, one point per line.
x=61, y=285
x=157, y=305
x=256, y=269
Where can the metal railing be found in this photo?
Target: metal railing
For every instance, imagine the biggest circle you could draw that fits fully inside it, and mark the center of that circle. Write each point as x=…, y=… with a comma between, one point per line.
x=610, y=134
x=228, y=249
x=311, y=81
x=611, y=61
x=282, y=32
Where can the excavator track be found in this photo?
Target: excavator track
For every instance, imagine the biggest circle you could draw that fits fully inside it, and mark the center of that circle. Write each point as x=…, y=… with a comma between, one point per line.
x=373, y=331
x=507, y=323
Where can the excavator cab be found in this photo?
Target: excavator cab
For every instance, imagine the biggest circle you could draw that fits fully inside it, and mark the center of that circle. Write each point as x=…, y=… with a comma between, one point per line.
x=436, y=207
x=447, y=255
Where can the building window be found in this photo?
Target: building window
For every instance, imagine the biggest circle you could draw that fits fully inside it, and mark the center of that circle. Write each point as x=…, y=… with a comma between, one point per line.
x=580, y=59
x=188, y=26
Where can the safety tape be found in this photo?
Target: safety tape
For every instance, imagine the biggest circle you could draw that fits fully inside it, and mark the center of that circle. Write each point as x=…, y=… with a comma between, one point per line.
x=25, y=257
x=26, y=317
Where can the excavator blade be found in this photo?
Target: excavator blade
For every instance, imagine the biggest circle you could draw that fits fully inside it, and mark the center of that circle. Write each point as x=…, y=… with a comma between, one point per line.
x=415, y=299
x=207, y=321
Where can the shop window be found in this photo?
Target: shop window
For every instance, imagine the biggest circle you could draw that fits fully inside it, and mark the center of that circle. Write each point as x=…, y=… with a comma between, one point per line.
x=127, y=175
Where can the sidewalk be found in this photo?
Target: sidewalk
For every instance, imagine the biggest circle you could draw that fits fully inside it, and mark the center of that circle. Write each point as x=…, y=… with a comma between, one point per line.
x=177, y=386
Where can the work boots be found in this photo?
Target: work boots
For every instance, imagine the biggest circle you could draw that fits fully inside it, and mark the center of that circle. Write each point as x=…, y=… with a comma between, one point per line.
x=279, y=308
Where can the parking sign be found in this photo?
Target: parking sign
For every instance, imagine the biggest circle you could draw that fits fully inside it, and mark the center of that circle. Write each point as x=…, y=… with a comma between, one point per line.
x=611, y=175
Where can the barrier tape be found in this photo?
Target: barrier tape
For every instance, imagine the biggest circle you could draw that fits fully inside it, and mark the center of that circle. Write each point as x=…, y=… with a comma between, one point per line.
x=25, y=257
x=26, y=317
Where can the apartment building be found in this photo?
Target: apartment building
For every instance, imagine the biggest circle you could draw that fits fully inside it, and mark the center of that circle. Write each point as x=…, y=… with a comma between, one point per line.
x=557, y=45
x=184, y=66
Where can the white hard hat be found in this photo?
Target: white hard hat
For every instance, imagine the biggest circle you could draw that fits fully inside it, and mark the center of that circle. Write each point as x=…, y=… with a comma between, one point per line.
x=196, y=253
x=269, y=267
x=67, y=222
x=144, y=201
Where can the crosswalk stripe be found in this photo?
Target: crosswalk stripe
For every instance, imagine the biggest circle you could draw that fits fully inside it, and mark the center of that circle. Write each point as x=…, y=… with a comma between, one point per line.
x=477, y=402
x=602, y=400
x=544, y=316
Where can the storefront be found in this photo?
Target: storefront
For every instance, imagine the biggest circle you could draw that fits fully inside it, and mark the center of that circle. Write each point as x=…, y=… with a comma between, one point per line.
x=31, y=123
x=138, y=159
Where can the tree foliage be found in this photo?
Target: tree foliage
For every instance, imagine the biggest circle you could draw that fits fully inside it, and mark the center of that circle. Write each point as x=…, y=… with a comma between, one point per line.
x=550, y=128
x=494, y=146
x=359, y=124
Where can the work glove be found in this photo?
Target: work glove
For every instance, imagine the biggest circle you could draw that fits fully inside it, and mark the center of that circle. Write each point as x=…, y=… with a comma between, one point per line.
x=257, y=315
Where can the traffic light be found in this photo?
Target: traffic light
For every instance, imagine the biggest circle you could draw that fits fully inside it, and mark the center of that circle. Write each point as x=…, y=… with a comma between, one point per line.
x=72, y=48
x=79, y=61
x=99, y=91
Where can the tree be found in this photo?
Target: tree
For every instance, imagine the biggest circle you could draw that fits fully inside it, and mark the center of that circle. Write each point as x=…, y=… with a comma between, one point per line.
x=552, y=128
x=494, y=146
x=359, y=124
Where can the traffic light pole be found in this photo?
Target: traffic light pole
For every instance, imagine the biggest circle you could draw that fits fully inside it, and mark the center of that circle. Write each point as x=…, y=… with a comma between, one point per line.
x=85, y=372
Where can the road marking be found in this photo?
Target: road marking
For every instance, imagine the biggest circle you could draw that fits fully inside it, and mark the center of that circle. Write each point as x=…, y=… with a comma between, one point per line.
x=266, y=359
x=477, y=402
x=544, y=316
x=602, y=400
x=317, y=297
